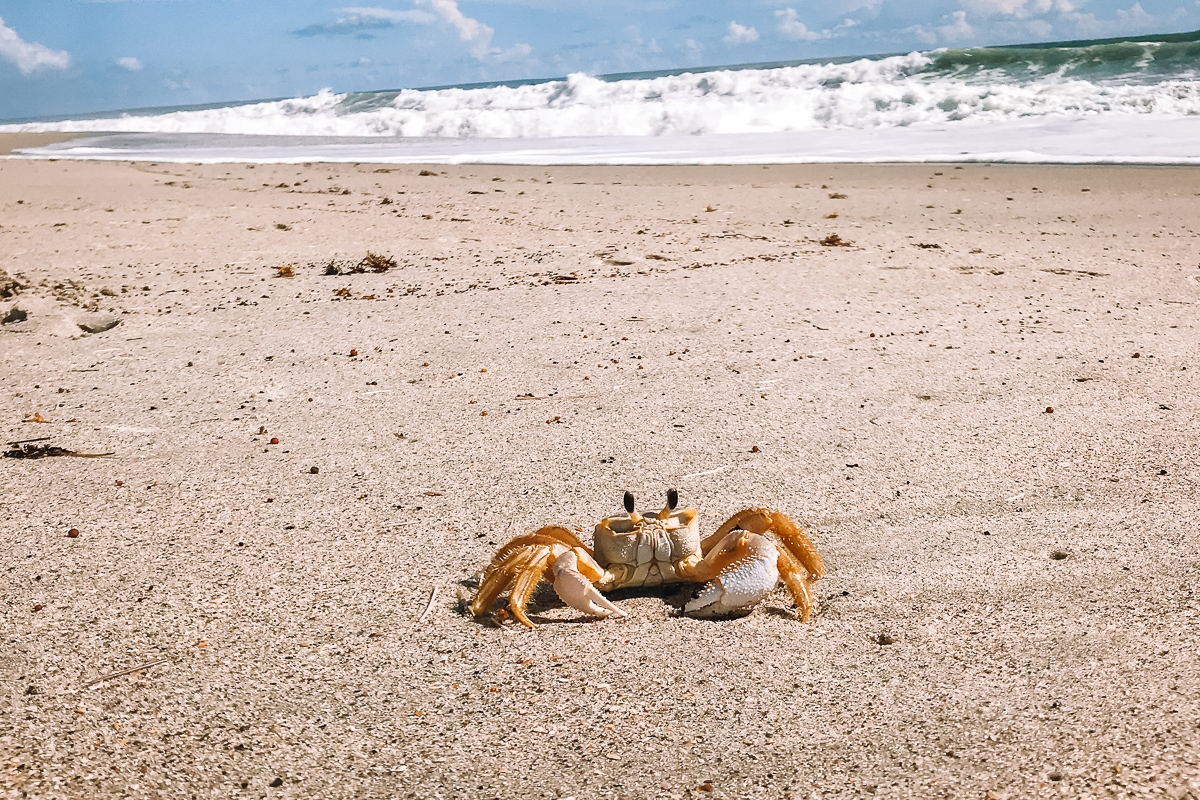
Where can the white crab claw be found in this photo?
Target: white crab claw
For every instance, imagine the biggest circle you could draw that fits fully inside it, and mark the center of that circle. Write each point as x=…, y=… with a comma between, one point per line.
x=577, y=591
x=741, y=585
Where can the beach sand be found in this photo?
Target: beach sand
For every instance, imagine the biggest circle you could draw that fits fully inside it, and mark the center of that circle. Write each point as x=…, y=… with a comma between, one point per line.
x=1012, y=597
x=10, y=142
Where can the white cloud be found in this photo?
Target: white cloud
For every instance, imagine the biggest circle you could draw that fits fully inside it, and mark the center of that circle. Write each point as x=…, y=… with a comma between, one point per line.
x=1134, y=15
x=474, y=33
x=517, y=52
x=955, y=28
x=130, y=63
x=1128, y=20
x=740, y=34
x=29, y=57
x=1021, y=8
x=370, y=14
x=358, y=20
x=792, y=28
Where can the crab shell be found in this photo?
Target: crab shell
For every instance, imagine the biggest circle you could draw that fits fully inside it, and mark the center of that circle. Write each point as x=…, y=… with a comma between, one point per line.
x=648, y=550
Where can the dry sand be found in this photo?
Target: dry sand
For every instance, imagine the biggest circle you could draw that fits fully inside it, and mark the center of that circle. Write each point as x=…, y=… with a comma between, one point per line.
x=898, y=390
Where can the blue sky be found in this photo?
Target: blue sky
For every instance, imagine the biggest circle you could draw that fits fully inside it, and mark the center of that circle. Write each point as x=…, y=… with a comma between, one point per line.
x=74, y=56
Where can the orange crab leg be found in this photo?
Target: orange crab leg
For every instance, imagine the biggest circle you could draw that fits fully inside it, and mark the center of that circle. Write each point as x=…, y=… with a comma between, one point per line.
x=496, y=578
x=764, y=520
x=527, y=581
x=797, y=586
x=717, y=561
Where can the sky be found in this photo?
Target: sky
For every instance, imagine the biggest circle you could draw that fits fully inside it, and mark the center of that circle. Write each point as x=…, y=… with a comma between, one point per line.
x=69, y=57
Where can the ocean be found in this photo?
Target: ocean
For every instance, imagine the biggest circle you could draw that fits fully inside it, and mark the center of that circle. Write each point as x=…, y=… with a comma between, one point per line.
x=1099, y=101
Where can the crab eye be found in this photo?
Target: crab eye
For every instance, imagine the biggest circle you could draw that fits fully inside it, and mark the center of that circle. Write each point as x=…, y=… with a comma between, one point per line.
x=672, y=499
x=629, y=502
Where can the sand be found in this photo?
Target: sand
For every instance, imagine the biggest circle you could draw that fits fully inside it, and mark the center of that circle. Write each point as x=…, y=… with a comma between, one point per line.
x=10, y=142
x=1011, y=603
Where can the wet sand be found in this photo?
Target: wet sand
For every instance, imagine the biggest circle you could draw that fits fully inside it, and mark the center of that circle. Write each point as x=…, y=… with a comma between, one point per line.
x=10, y=142
x=1011, y=602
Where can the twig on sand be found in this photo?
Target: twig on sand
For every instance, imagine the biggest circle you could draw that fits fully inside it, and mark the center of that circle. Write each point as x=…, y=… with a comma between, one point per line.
x=27, y=441
x=103, y=678
x=708, y=472
x=433, y=593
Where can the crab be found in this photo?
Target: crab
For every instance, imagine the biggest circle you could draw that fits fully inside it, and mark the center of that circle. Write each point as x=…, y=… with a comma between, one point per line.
x=736, y=567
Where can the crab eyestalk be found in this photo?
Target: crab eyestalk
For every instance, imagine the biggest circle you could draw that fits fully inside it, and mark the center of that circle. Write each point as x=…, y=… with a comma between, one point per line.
x=672, y=504
x=629, y=505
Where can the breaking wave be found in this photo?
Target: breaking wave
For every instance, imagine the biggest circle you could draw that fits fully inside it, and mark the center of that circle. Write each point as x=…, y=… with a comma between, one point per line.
x=913, y=90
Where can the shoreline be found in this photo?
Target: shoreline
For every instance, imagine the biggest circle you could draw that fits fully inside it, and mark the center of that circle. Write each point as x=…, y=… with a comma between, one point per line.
x=18, y=141
x=1043, y=140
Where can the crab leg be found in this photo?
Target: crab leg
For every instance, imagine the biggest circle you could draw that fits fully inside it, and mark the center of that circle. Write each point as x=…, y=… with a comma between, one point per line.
x=741, y=570
x=792, y=574
x=521, y=565
x=799, y=563
x=763, y=520
x=576, y=590
x=513, y=558
x=527, y=581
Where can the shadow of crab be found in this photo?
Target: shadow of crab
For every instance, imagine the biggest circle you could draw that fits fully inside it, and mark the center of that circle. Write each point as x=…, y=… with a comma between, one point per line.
x=545, y=606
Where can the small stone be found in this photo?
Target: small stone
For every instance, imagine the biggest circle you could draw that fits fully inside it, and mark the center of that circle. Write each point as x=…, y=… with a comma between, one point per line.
x=754, y=449
x=99, y=324
x=1049, y=410
x=313, y=470
x=37, y=607
x=1137, y=355
x=14, y=315
x=73, y=533
x=275, y=784
x=274, y=440
x=353, y=353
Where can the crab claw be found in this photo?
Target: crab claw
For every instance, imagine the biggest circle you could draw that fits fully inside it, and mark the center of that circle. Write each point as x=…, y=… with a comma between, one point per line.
x=577, y=591
x=747, y=573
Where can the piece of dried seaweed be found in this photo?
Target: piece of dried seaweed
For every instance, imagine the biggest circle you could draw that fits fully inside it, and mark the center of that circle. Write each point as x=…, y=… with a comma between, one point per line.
x=376, y=262
x=22, y=450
